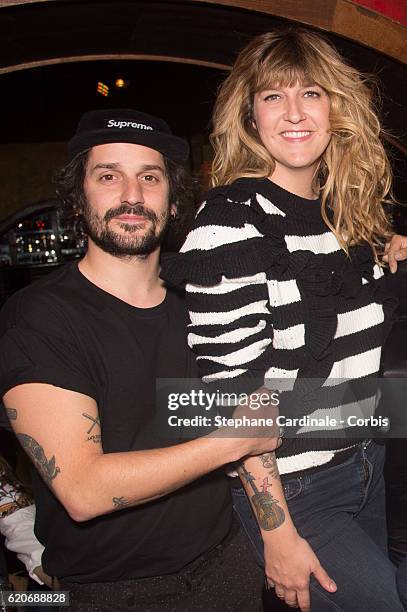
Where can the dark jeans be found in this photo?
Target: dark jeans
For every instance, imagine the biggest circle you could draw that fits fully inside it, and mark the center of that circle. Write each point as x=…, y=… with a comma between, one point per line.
x=395, y=474
x=226, y=579
x=340, y=511
x=402, y=581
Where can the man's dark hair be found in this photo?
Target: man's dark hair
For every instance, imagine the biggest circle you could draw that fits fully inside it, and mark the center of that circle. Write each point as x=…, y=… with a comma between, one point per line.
x=183, y=192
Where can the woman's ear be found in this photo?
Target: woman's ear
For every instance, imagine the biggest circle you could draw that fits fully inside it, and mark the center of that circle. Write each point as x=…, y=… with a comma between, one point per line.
x=252, y=119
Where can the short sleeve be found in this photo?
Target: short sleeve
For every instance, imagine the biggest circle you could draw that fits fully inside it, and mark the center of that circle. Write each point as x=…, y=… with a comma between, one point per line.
x=31, y=352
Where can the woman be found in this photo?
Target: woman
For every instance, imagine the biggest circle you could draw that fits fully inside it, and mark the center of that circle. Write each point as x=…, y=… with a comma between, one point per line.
x=284, y=283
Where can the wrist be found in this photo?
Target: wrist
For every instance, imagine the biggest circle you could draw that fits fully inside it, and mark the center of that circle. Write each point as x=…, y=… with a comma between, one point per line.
x=285, y=533
x=228, y=447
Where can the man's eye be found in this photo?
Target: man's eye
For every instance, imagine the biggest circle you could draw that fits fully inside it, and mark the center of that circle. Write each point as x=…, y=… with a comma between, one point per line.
x=150, y=178
x=107, y=178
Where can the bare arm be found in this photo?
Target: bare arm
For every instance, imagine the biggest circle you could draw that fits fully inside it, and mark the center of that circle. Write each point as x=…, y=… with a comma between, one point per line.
x=60, y=431
x=289, y=560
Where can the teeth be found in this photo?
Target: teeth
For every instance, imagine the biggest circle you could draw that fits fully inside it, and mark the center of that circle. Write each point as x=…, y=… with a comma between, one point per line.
x=295, y=134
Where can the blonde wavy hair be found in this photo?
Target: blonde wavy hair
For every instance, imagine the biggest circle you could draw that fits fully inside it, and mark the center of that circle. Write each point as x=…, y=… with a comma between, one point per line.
x=354, y=175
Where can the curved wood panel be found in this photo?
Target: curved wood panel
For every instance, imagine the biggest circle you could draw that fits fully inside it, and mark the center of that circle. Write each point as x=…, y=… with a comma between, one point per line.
x=345, y=18
x=340, y=17
x=111, y=56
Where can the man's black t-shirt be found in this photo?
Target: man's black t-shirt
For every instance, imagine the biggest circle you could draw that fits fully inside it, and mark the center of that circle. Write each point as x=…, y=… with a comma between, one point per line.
x=65, y=331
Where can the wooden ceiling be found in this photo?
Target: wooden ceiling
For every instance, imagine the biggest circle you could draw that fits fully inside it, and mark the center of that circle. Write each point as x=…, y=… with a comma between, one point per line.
x=204, y=32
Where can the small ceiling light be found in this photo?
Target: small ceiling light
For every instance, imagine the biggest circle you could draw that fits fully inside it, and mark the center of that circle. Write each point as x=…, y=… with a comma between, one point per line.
x=122, y=83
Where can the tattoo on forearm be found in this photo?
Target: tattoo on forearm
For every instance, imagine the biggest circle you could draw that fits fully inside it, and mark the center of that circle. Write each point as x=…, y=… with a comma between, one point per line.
x=95, y=421
x=266, y=485
x=46, y=467
x=120, y=502
x=269, y=462
x=268, y=511
x=11, y=413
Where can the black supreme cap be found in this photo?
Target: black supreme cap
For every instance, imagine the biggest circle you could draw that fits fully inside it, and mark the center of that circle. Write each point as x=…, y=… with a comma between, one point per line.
x=126, y=125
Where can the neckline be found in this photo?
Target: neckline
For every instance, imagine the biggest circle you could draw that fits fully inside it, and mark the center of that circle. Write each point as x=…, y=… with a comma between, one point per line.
x=117, y=302
x=289, y=202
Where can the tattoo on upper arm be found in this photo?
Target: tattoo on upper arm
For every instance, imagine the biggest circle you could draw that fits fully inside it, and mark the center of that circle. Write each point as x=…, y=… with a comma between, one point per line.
x=268, y=511
x=269, y=462
x=11, y=413
x=96, y=438
x=120, y=502
x=46, y=467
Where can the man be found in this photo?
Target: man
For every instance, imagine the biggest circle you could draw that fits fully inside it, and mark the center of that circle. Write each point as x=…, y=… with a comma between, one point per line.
x=128, y=520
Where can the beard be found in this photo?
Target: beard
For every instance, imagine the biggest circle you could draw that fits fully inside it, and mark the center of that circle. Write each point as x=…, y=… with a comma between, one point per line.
x=130, y=243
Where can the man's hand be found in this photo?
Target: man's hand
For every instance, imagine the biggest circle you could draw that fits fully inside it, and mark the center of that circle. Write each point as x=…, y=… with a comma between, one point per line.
x=289, y=563
x=254, y=429
x=395, y=250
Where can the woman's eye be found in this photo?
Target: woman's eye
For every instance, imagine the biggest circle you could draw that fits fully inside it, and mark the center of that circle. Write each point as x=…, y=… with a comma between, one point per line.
x=107, y=178
x=272, y=97
x=311, y=93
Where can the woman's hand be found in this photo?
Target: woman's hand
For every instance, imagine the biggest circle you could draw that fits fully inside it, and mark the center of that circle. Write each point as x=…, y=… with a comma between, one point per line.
x=43, y=576
x=395, y=250
x=289, y=563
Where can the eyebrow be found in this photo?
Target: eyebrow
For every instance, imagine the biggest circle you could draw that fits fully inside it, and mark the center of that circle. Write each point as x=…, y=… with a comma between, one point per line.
x=277, y=86
x=153, y=167
x=111, y=166
x=117, y=166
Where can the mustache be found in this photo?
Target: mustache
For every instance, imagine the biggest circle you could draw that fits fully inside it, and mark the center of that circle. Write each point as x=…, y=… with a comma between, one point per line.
x=131, y=209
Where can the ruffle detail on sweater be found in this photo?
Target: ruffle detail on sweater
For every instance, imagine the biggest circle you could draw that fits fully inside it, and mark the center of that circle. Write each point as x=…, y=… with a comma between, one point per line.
x=319, y=285
x=232, y=261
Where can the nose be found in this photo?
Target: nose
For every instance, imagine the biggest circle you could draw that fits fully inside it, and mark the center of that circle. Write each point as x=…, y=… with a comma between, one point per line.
x=132, y=192
x=294, y=112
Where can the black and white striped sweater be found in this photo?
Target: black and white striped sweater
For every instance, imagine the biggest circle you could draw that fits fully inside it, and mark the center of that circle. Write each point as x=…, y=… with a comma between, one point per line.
x=272, y=295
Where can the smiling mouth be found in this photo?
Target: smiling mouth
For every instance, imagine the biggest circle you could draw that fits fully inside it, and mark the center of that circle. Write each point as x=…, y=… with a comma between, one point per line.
x=296, y=135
